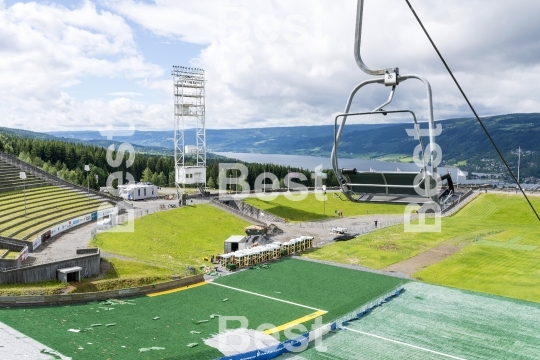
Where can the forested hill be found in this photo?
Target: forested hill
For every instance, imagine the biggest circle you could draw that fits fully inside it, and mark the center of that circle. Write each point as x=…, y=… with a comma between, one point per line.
x=67, y=159
x=462, y=141
x=102, y=142
x=509, y=131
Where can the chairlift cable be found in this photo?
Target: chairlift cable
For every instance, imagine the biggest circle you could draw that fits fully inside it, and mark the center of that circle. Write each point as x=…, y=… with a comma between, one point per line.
x=472, y=108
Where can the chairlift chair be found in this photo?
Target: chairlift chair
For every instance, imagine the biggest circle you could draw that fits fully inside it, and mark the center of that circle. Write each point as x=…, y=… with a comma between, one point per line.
x=387, y=186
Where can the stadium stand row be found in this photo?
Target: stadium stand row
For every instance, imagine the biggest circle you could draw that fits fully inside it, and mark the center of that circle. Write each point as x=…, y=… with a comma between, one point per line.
x=47, y=201
x=10, y=180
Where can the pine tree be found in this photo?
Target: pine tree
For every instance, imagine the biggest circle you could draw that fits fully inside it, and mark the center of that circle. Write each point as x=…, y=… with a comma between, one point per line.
x=162, y=179
x=172, y=180
x=146, y=175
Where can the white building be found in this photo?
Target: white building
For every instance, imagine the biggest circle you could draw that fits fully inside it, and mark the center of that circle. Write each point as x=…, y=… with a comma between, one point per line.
x=138, y=191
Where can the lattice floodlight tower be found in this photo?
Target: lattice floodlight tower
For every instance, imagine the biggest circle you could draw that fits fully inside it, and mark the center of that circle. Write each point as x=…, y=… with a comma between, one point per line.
x=396, y=186
x=188, y=106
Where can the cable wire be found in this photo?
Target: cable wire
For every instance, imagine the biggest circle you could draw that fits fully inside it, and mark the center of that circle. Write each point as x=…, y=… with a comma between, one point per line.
x=472, y=108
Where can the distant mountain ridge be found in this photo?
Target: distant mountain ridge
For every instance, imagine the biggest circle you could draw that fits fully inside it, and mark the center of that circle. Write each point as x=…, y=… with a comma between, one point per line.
x=258, y=140
x=462, y=141
x=458, y=138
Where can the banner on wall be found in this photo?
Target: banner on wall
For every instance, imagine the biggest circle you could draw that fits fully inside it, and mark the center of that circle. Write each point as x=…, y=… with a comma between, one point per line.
x=63, y=227
x=24, y=254
x=37, y=242
x=71, y=223
x=105, y=212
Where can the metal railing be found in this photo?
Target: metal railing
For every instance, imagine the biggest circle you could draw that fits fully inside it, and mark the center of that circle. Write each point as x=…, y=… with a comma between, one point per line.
x=461, y=202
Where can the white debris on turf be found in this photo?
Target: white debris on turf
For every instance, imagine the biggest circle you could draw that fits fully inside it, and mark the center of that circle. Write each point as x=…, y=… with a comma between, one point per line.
x=151, y=348
x=16, y=346
x=117, y=302
x=234, y=342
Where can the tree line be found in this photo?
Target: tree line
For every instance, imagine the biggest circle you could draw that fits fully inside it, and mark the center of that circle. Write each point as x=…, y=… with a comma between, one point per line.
x=67, y=160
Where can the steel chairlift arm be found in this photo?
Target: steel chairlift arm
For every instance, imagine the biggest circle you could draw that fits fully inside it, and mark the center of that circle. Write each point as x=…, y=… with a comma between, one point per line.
x=391, y=75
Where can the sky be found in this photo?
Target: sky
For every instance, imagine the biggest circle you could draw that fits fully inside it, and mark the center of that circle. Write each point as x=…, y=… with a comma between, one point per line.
x=88, y=65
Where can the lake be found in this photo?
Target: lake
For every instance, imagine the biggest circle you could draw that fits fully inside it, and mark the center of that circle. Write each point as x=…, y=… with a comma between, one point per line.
x=310, y=162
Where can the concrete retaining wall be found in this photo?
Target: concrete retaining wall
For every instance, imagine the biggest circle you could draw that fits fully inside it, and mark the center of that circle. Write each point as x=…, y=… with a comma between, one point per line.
x=12, y=246
x=14, y=241
x=250, y=212
x=10, y=301
x=43, y=272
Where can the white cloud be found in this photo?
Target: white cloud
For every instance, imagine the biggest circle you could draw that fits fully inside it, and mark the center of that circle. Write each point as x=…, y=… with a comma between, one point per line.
x=266, y=79
x=269, y=63
x=193, y=21
x=67, y=113
x=125, y=93
x=46, y=49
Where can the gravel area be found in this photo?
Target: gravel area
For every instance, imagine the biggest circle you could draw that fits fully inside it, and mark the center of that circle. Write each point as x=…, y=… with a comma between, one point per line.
x=320, y=230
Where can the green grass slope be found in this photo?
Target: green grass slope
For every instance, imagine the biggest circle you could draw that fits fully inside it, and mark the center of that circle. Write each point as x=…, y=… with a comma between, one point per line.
x=510, y=269
x=174, y=238
x=312, y=208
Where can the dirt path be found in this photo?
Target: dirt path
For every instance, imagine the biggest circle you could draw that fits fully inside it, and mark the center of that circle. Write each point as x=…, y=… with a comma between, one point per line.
x=422, y=260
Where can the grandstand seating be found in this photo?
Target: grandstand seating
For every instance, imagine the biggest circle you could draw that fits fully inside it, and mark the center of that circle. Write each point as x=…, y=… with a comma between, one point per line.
x=10, y=180
x=47, y=203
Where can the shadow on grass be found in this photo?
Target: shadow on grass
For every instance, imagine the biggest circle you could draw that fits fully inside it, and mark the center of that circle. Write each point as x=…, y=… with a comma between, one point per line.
x=111, y=272
x=293, y=214
x=308, y=252
x=89, y=285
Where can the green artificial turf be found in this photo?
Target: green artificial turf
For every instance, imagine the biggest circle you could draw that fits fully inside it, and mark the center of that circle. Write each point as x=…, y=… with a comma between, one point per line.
x=434, y=322
x=312, y=208
x=334, y=289
x=135, y=327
